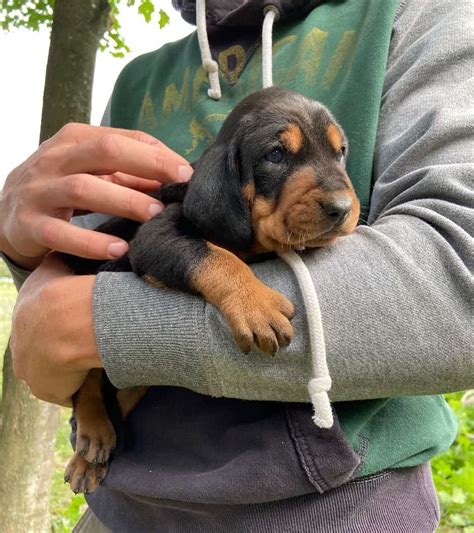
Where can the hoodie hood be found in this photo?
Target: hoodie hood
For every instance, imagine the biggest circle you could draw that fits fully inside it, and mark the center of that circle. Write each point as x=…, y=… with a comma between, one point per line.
x=244, y=12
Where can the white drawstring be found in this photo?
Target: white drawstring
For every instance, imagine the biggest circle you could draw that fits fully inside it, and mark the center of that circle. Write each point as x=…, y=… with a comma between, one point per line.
x=271, y=13
x=320, y=384
x=208, y=64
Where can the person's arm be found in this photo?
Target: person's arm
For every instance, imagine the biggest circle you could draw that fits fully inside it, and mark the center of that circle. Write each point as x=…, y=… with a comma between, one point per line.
x=395, y=295
x=81, y=167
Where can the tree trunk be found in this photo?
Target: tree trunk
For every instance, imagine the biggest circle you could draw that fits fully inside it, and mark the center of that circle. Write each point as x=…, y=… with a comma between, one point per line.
x=78, y=26
x=26, y=456
x=28, y=426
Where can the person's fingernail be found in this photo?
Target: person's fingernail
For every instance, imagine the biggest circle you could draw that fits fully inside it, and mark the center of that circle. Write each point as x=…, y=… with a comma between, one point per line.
x=117, y=249
x=185, y=172
x=155, y=209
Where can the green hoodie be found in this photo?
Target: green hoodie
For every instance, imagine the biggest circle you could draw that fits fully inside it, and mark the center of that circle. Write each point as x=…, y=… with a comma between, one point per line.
x=336, y=55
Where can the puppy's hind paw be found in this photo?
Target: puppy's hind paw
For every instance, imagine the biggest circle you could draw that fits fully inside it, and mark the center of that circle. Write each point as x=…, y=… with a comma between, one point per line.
x=96, y=441
x=84, y=477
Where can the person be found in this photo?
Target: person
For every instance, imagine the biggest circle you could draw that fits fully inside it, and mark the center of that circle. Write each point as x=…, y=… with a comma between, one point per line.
x=224, y=441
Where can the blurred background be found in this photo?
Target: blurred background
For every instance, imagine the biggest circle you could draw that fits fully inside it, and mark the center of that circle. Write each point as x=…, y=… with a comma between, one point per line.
x=132, y=28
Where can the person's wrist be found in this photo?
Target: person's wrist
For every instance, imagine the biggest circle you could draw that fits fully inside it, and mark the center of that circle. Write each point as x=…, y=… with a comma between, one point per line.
x=72, y=297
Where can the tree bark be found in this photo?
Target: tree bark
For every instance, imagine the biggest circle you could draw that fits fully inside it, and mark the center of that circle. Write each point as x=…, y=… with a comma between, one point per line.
x=28, y=426
x=26, y=456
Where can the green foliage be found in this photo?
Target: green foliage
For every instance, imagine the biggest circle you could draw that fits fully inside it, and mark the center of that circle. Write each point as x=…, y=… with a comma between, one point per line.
x=36, y=14
x=32, y=14
x=453, y=472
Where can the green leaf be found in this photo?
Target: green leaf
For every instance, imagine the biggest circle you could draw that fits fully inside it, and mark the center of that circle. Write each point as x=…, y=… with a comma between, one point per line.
x=457, y=520
x=164, y=19
x=146, y=8
x=458, y=496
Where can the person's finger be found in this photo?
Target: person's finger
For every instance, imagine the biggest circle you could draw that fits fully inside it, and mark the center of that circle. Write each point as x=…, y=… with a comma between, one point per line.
x=90, y=193
x=63, y=236
x=117, y=153
x=133, y=182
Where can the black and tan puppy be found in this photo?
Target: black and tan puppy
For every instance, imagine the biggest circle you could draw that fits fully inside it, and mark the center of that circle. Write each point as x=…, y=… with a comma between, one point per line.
x=273, y=180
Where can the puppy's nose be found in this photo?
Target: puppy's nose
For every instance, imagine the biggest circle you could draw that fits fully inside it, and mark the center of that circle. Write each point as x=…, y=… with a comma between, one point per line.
x=338, y=209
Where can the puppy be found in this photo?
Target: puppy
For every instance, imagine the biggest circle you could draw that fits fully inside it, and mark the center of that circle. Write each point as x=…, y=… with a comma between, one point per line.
x=273, y=180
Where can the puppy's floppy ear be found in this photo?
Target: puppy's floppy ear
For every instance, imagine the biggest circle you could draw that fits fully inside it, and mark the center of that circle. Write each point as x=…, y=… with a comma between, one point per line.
x=214, y=203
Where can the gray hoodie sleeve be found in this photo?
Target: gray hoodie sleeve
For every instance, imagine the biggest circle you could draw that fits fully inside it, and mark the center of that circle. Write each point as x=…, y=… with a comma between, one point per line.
x=395, y=296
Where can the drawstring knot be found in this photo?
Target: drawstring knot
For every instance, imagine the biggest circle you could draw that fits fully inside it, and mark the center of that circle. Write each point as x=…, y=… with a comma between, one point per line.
x=318, y=389
x=209, y=65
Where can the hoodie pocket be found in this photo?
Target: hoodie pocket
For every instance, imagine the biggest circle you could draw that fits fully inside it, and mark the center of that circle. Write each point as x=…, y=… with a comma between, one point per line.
x=185, y=447
x=325, y=455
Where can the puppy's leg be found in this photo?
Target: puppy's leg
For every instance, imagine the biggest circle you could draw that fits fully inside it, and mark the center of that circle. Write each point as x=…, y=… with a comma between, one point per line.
x=95, y=437
x=165, y=251
x=95, y=433
x=257, y=314
x=127, y=399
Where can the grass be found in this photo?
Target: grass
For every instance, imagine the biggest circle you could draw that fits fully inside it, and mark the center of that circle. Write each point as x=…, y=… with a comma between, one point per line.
x=453, y=471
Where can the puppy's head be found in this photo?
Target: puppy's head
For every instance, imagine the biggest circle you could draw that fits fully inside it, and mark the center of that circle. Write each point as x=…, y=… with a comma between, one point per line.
x=275, y=177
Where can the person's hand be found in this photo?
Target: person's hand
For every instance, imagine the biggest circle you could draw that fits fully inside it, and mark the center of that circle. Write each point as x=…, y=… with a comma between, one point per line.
x=87, y=168
x=53, y=340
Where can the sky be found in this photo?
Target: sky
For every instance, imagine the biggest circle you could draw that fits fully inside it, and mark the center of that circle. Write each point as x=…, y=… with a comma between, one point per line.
x=23, y=57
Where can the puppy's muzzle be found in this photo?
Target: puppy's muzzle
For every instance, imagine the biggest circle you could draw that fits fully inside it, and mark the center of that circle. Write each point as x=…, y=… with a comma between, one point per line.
x=337, y=210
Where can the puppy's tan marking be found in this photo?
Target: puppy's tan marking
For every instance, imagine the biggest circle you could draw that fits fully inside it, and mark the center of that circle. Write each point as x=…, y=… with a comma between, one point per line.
x=156, y=283
x=296, y=220
x=279, y=226
x=248, y=192
x=351, y=222
x=292, y=138
x=262, y=207
x=335, y=137
x=256, y=314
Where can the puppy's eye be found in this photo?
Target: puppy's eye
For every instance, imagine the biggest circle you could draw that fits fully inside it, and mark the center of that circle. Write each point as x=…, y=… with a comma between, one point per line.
x=275, y=156
x=341, y=155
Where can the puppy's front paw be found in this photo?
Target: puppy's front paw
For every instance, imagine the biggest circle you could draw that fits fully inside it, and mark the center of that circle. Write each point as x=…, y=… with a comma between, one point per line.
x=260, y=316
x=95, y=440
x=83, y=476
